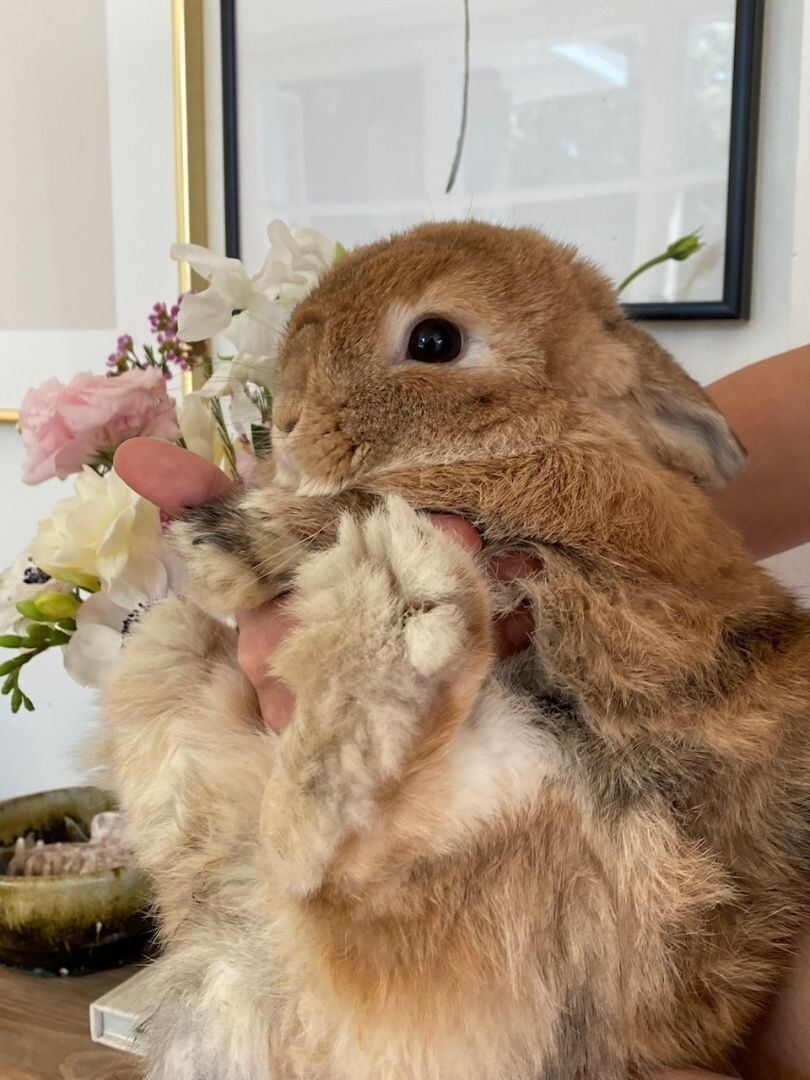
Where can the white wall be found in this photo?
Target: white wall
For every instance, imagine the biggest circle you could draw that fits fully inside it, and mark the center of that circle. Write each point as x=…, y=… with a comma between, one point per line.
x=48, y=219
x=139, y=56
x=133, y=137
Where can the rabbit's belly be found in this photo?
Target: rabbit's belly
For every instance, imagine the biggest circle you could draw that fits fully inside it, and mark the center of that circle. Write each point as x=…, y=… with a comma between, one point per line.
x=535, y=937
x=251, y=988
x=523, y=942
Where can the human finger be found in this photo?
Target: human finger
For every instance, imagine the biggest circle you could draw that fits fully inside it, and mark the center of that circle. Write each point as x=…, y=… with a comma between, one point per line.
x=261, y=631
x=168, y=475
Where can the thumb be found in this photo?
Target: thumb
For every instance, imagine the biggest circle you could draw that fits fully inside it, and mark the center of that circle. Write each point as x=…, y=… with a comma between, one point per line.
x=168, y=475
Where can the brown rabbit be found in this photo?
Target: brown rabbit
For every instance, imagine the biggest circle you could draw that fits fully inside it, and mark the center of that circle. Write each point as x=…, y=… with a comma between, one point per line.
x=579, y=864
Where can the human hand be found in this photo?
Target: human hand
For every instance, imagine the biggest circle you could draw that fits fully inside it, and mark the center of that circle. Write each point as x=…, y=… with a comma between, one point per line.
x=777, y=1047
x=175, y=479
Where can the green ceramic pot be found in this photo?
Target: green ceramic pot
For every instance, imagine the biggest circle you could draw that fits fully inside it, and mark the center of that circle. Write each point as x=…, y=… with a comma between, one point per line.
x=76, y=922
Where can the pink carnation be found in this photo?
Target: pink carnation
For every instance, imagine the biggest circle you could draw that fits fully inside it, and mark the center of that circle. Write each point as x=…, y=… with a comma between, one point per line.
x=65, y=427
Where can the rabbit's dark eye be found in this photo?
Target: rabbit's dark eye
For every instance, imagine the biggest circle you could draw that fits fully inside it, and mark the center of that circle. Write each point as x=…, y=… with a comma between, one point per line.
x=434, y=341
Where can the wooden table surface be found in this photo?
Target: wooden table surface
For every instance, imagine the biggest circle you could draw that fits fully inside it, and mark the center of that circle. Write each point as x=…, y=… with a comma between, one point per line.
x=45, y=1030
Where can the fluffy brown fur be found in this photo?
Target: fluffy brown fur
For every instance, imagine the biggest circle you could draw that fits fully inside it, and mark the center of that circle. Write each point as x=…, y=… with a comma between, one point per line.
x=576, y=865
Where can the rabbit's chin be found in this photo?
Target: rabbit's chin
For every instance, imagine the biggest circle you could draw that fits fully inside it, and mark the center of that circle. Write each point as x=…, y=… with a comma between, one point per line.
x=289, y=477
x=297, y=483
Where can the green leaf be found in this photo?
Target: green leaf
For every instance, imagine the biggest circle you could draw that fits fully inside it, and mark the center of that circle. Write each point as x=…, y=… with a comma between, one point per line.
x=16, y=699
x=11, y=641
x=59, y=638
x=38, y=633
x=67, y=624
x=9, y=683
x=28, y=704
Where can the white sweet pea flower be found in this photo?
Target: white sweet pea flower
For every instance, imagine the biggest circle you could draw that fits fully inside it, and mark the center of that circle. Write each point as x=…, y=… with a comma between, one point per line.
x=102, y=626
x=104, y=535
x=94, y=646
x=225, y=382
x=263, y=302
x=23, y=580
x=255, y=369
x=199, y=429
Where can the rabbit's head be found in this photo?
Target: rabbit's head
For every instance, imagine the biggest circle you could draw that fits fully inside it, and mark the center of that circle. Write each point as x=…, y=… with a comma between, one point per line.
x=464, y=342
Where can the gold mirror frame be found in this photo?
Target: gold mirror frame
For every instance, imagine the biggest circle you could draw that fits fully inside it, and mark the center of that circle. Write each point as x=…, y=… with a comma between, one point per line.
x=191, y=186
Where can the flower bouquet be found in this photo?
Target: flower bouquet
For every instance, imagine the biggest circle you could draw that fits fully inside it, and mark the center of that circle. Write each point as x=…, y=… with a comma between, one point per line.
x=101, y=558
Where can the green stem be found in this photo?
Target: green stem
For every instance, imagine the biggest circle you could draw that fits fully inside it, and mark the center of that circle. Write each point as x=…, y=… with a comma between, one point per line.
x=222, y=427
x=219, y=418
x=16, y=662
x=643, y=269
x=12, y=669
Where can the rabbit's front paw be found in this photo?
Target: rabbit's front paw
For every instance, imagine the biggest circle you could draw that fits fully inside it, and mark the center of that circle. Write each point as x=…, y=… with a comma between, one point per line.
x=393, y=606
x=237, y=556
x=392, y=645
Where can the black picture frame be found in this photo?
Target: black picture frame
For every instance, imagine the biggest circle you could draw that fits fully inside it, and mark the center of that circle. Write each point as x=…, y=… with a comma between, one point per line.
x=745, y=95
x=230, y=127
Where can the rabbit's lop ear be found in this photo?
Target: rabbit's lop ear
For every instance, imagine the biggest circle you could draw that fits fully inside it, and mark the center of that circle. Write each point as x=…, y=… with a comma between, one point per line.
x=676, y=419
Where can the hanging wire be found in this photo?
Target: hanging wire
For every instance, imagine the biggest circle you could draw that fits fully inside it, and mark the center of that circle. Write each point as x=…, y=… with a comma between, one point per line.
x=465, y=101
